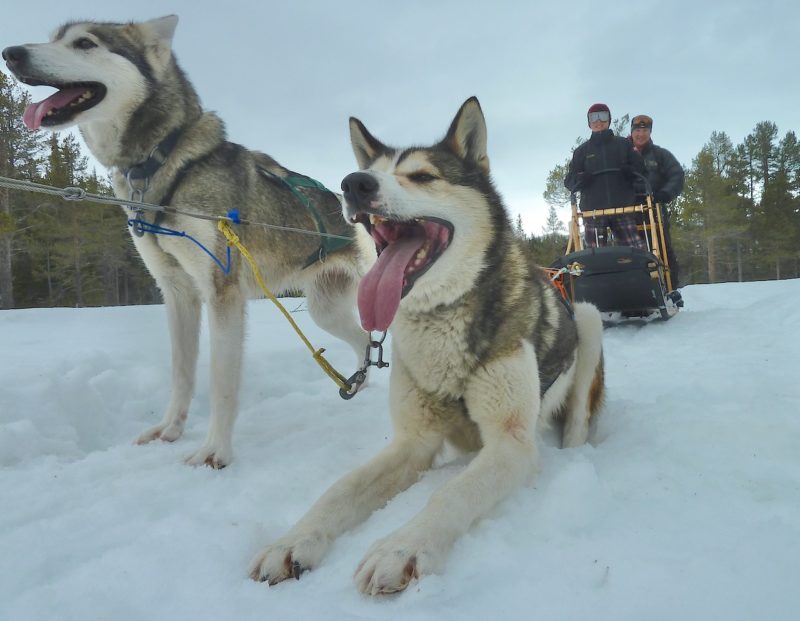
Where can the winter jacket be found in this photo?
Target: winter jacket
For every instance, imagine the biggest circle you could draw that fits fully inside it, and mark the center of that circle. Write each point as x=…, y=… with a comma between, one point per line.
x=663, y=171
x=599, y=190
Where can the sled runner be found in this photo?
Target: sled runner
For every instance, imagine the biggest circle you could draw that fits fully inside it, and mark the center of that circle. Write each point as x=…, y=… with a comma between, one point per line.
x=624, y=283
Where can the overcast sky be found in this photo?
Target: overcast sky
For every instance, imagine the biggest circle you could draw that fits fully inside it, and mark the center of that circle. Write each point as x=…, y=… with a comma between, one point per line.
x=285, y=76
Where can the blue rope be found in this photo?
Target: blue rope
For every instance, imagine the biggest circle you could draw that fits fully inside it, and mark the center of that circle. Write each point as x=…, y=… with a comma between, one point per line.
x=146, y=227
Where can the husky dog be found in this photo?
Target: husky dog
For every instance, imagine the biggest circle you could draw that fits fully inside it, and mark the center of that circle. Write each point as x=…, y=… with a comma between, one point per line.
x=140, y=116
x=482, y=348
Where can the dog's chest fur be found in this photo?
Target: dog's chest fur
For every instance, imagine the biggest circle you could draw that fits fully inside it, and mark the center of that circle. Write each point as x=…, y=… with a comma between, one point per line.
x=435, y=348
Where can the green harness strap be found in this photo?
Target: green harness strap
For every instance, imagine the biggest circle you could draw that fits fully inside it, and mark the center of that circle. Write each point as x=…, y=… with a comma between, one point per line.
x=327, y=244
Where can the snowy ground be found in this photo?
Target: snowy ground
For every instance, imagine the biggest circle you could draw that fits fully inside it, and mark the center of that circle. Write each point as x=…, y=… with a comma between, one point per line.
x=686, y=507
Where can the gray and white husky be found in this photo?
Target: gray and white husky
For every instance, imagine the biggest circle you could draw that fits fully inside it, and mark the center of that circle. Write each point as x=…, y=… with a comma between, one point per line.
x=141, y=117
x=483, y=351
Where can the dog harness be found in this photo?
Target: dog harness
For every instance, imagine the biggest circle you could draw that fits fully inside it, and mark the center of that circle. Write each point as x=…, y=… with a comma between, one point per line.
x=293, y=182
x=138, y=178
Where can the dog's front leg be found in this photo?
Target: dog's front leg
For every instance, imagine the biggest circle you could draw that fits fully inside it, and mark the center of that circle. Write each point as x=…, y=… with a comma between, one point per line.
x=331, y=301
x=184, y=307
x=226, y=316
x=354, y=497
x=502, y=398
x=347, y=503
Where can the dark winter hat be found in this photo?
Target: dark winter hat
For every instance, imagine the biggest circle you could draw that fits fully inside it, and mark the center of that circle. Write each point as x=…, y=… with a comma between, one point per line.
x=598, y=107
x=598, y=112
x=642, y=120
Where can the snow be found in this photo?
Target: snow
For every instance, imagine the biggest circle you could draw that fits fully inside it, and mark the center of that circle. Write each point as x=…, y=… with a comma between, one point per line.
x=686, y=506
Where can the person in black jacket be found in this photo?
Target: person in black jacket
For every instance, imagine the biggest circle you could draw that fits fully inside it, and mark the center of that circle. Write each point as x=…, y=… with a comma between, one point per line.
x=603, y=170
x=665, y=175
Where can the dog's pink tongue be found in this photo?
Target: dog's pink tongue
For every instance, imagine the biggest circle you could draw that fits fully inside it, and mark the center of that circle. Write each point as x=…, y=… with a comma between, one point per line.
x=34, y=113
x=380, y=290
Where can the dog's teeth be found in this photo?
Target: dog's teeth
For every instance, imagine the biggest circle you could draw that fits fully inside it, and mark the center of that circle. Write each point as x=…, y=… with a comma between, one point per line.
x=420, y=257
x=373, y=219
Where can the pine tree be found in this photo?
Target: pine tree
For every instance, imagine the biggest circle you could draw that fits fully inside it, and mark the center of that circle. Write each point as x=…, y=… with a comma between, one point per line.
x=546, y=248
x=555, y=194
x=776, y=228
x=519, y=230
x=65, y=228
x=19, y=159
x=553, y=226
x=709, y=215
x=120, y=268
x=776, y=224
x=764, y=151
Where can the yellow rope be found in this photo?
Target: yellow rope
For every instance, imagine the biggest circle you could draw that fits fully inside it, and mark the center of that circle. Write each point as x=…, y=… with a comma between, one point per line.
x=233, y=240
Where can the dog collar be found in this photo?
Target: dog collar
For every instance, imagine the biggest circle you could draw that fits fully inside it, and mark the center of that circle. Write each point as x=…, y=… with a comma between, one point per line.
x=146, y=169
x=138, y=177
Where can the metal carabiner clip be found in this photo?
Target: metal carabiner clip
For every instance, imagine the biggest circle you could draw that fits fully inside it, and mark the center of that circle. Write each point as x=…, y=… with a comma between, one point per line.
x=359, y=377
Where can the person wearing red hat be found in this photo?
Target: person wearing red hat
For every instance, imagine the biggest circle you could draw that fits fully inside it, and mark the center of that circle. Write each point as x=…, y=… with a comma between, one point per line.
x=603, y=170
x=665, y=175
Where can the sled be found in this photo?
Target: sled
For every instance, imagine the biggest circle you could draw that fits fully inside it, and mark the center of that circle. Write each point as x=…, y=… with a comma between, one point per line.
x=626, y=284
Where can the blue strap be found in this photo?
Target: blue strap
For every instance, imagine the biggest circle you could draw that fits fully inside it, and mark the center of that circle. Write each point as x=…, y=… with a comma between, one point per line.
x=145, y=227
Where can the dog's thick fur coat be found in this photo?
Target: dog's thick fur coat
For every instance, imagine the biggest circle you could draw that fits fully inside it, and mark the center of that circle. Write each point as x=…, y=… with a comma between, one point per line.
x=130, y=96
x=482, y=349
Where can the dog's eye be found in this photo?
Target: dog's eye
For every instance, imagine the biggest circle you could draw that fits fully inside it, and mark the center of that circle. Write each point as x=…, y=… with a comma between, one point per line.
x=421, y=177
x=84, y=44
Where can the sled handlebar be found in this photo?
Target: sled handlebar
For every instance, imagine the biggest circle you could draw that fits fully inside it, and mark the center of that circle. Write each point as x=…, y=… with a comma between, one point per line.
x=647, y=187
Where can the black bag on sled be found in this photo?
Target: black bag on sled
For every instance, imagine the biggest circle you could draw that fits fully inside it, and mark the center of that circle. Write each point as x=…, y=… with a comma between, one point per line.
x=618, y=279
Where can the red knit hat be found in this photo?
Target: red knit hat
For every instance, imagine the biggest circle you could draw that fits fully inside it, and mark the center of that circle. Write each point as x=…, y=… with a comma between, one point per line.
x=598, y=107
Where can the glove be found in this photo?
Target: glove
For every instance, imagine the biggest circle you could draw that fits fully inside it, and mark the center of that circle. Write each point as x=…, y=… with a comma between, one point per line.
x=584, y=180
x=627, y=171
x=661, y=196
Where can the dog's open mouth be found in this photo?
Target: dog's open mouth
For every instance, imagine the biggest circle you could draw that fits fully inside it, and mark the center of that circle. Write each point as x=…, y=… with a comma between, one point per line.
x=64, y=105
x=406, y=250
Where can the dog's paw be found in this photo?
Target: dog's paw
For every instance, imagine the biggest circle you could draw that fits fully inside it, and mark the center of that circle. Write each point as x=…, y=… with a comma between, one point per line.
x=169, y=432
x=288, y=558
x=392, y=564
x=212, y=455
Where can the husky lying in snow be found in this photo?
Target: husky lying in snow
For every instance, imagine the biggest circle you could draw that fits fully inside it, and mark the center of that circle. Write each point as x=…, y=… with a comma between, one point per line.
x=482, y=347
x=140, y=116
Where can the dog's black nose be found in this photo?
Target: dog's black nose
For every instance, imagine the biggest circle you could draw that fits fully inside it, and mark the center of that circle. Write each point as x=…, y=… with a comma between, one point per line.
x=359, y=188
x=14, y=55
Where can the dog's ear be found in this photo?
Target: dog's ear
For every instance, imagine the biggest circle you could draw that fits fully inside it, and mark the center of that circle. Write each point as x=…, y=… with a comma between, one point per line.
x=160, y=32
x=366, y=147
x=467, y=135
x=163, y=28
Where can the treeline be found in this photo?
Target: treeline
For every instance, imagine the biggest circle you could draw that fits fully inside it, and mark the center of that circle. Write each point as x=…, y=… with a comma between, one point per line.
x=55, y=252
x=738, y=218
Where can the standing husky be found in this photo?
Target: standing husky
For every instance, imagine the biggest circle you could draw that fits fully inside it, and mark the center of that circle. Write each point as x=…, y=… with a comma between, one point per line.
x=120, y=84
x=481, y=347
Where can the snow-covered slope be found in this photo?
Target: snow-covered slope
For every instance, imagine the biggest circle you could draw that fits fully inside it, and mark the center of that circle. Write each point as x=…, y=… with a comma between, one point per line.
x=686, y=506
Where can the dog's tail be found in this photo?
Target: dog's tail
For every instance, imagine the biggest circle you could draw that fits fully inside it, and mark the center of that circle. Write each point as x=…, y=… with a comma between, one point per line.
x=590, y=352
x=588, y=390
